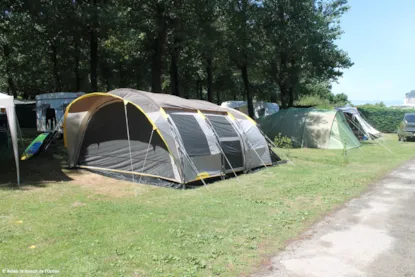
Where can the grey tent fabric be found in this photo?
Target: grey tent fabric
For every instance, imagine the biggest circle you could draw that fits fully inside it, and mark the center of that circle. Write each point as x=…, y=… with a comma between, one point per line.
x=194, y=139
x=161, y=136
x=358, y=123
x=106, y=143
x=7, y=102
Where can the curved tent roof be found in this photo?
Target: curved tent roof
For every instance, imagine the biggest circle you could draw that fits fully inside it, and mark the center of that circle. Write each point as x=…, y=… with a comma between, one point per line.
x=310, y=127
x=162, y=136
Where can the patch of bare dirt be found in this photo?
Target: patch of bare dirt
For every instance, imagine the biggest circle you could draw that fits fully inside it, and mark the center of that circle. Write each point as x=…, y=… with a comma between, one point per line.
x=78, y=204
x=105, y=185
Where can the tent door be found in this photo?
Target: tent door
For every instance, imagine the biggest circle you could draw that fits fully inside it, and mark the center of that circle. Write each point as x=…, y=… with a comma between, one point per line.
x=230, y=143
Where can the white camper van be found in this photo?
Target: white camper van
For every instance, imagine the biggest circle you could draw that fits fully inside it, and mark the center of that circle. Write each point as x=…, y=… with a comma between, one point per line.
x=50, y=108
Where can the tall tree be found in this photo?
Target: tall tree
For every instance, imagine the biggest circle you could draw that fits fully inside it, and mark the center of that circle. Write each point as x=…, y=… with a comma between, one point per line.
x=301, y=42
x=208, y=49
x=242, y=31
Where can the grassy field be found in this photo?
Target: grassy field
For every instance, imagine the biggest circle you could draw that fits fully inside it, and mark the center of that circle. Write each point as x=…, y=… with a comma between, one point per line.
x=228, y=228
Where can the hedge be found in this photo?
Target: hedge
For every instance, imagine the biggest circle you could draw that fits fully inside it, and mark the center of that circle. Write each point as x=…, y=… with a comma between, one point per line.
x=384, y=119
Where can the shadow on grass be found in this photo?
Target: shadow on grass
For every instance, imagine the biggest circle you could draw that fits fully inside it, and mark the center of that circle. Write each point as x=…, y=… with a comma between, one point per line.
x=46, y=167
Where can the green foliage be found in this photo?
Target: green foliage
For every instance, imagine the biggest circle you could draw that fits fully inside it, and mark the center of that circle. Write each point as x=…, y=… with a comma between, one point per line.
x=217, y=50
x=328, y=102
x=314, y=101
x=382, y=118
x=283, y=142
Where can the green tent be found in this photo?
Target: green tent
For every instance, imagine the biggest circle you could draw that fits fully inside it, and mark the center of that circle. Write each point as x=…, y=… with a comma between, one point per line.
x=311, y=128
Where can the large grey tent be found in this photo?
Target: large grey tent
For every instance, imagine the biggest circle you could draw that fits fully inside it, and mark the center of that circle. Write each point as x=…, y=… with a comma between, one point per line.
x=161, y=136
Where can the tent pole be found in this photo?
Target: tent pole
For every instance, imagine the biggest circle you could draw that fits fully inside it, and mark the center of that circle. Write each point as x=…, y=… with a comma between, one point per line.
x=249, y=143
x=193, y=165
x=11, y=121
x=358, y=128
x=129, y=142
x=367, y=122
x=184, y=153
x=148, y=147
x=220, y=147
x=273, y=145
x=19, y=129
x=335, y=118
x=179, y=152
x=376, y=140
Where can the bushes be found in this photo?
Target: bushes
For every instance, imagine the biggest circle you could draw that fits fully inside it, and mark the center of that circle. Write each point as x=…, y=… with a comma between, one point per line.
x=283, y=142
x=384, y=119
x=321, y=103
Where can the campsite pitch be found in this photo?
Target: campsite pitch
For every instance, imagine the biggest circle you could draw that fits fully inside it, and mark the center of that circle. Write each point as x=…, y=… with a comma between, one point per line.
x=69, y=221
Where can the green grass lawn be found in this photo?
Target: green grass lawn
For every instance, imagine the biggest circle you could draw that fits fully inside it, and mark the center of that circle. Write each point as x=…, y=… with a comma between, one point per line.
x=226, y=229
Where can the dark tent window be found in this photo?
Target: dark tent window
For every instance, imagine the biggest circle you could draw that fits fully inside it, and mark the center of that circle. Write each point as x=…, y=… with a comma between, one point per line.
x=222, y=126
x=233, y=152
x=193, y=137
x=229, y=141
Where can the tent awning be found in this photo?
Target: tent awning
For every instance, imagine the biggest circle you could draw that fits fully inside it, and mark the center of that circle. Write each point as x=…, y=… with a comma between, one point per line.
x=7, y=102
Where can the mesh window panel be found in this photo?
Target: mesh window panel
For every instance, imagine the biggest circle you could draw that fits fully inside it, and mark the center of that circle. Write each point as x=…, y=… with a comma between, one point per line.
x=233, y=152
x=193, y=137
x=222, y=126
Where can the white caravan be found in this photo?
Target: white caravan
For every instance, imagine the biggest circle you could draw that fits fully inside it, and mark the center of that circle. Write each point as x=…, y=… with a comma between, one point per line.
x=50, y=108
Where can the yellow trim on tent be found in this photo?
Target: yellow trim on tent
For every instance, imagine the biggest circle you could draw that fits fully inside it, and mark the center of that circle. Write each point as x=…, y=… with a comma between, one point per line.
x=201, y=114
x=163, y=113
x=250, y=119
x=127, y=172
x=122, y=99
x=69, y=107
x=231, y=116
x=203, y=177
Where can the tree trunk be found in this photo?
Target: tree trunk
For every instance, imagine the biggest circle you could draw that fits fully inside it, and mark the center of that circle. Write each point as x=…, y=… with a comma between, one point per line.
x=158, y=45
x=156, y=67
x=137, y=75
x=185, y=90
x=218, y=97
x=285, y=96
x=292, y=96
x=293, y=85
x=121, y=82
x=93, y=44
x=10, y=82
x=198, y=91
x=107, y=82
x=244, y=71
x=209, y=71
x=93, y=40
x=273, y=97
x=174, y=74
x=55, y=68
x=76, y=69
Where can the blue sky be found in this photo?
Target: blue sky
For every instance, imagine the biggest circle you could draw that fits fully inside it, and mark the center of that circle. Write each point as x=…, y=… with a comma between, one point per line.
x=380, y=39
